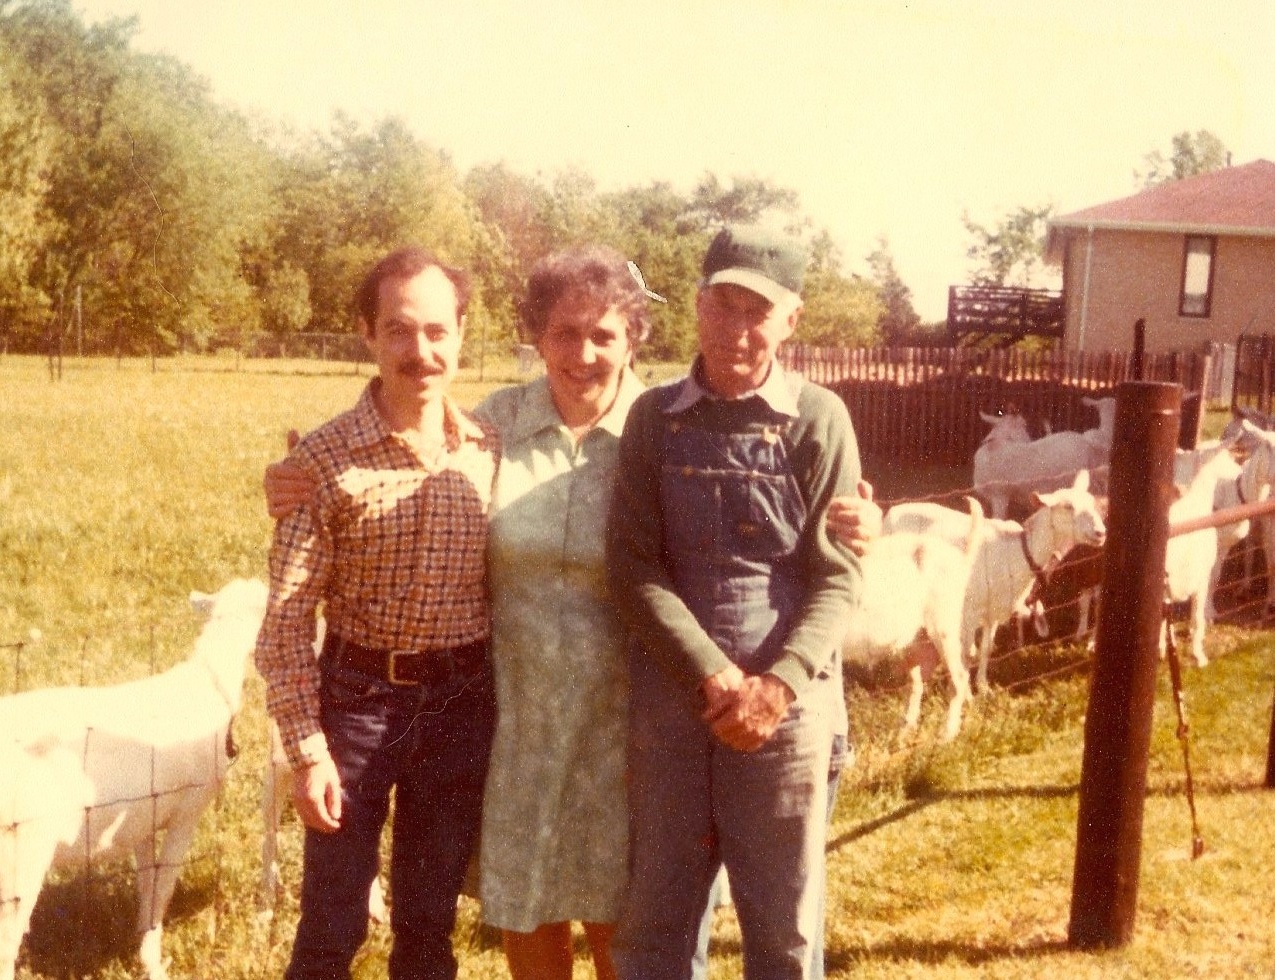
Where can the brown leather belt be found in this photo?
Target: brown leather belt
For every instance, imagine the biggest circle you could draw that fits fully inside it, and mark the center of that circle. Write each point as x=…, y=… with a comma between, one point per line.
x=408, y=666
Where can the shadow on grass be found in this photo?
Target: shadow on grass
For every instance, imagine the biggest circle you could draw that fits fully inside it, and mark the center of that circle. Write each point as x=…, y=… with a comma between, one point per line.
x=846, y=958
x=913, y=807
x=85, y=922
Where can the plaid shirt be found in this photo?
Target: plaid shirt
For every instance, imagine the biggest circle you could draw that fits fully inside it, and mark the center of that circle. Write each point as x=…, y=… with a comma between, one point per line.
x=393, y=547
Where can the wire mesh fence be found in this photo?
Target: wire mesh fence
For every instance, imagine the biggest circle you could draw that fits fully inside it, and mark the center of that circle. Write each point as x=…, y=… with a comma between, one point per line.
x=96, y=897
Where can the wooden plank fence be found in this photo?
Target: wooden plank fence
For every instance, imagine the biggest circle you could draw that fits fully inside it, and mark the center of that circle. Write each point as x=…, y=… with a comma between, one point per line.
x=922, y=404
x=1254, y=378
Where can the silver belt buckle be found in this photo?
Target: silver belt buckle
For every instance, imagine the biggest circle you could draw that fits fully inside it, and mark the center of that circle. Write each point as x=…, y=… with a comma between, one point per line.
x=391, y=672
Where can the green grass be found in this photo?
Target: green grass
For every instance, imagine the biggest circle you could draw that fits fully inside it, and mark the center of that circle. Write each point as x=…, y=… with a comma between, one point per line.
x=123, y=489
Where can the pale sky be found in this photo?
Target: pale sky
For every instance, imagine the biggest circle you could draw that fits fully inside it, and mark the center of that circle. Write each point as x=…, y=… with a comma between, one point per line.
x=888, y=118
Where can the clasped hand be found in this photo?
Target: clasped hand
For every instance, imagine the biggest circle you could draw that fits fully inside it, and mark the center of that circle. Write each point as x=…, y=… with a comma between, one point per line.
x=744, y=710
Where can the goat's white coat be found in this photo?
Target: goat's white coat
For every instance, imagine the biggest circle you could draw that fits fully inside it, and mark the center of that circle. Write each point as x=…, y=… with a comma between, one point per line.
x=1006, y=469
x=914, y=583
x=1001, y=578
x=1191, y=560
x=1187, y=462
x=120, y=770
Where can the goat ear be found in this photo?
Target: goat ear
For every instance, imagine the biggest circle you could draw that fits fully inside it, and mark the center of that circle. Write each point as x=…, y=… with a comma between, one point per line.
x=989, y=419
x=201, y=602
x=1081, y=482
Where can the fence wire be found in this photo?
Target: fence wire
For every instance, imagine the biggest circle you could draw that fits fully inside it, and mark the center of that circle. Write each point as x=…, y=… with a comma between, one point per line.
x=57, y=832
x=1069, y=597
x=1014, y=667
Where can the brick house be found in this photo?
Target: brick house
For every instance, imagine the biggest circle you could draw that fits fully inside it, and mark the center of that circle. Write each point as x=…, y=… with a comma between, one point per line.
x=1195, y=258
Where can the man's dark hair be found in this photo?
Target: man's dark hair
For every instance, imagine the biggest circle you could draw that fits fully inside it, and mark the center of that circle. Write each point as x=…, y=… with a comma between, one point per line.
x=404, y=263
x=594, y=273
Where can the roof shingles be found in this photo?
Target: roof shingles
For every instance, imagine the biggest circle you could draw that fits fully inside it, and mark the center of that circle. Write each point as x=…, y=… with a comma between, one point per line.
x=1234, y=198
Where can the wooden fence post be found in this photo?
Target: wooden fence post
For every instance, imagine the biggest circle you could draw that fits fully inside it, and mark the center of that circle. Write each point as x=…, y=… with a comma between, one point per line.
x=1270, y=753
x=1113, y=778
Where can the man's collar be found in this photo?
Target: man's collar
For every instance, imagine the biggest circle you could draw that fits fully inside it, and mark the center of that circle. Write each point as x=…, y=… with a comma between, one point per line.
x=538, y=412
x=370, y=426
x=775, y=391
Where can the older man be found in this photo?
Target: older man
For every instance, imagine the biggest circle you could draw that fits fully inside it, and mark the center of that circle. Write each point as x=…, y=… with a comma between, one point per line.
x=393, y=545
x=722, y=564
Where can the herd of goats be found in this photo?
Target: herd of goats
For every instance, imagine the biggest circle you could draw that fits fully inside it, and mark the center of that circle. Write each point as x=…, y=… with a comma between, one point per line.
x=89, y=772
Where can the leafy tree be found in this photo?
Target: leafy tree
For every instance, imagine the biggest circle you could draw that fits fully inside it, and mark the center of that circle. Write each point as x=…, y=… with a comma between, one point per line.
x=1191, y=155
x=513, y=234
x=840, y=310
x=653, y=226
x=285, y=300
x=142, y=165
x=25, y=152
x=746, y=201
x=71, y=73
x=350, y=196
x=899, y=320
x=1010, y=253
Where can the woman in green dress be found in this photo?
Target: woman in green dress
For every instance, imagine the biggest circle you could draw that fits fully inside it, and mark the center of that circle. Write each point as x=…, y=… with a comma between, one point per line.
x=554, y=838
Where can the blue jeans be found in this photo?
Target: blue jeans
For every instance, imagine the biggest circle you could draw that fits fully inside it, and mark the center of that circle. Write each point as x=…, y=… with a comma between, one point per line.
x=431, y=744
x=699, y=965
x=697, y=805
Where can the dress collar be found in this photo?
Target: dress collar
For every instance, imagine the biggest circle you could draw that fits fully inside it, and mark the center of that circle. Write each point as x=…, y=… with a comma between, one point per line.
x=537, y=411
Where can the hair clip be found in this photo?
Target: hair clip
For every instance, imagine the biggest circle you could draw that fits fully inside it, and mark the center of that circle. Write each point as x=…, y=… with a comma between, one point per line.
x=636, y=273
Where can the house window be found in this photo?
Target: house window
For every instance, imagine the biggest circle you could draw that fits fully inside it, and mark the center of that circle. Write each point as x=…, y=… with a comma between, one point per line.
x=1197, y=276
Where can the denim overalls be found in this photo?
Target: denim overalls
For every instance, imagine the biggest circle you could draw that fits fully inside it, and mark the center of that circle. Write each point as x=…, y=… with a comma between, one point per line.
x=733, y=518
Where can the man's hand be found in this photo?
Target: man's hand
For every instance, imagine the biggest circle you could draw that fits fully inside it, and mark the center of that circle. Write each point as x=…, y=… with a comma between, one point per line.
x=855, y=521
x=316, y=791
x=759, y=704
x=287, y=485
x=720, y=691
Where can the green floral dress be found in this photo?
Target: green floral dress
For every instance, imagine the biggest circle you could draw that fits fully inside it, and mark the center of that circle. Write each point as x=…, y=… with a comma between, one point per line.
x=555, y=824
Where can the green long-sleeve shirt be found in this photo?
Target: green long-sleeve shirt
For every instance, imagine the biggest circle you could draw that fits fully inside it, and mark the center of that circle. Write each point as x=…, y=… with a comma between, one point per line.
x=825, y=461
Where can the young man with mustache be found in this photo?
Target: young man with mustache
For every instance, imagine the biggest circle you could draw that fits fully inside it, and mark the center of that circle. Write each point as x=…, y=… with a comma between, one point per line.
x=393, y=545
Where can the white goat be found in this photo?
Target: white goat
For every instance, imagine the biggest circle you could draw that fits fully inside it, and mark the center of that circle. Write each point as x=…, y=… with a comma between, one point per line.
x=1012, y=556
x=922, y=517
x=1187, y=462
x=91, y=772
x=914, y=583
x=1190, y=560
x=1256, y=484
x=1009, y=427
x=1007, y=470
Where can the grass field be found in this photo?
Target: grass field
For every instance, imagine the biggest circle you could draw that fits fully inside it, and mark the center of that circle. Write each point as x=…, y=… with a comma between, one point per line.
x=121, y=489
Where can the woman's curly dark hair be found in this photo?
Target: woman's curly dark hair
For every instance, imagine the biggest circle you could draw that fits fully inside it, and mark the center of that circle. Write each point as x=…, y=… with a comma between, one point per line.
x=594, y=273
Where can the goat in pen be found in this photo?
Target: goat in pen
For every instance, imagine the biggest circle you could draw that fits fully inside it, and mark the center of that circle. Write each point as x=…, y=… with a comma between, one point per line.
x=914, y=583
x=88, y=772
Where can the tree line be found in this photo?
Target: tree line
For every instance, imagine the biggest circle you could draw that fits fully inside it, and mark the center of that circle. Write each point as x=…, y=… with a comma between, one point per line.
x=141, y=215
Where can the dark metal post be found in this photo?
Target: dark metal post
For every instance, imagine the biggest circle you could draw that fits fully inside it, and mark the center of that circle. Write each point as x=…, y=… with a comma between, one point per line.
x=1113, y=778
x=1139, y=347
